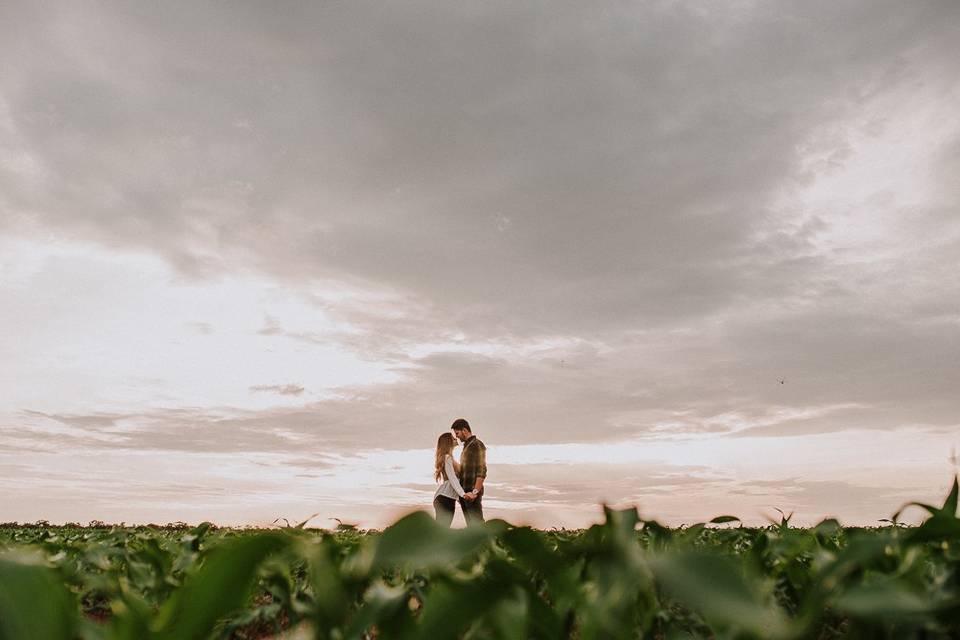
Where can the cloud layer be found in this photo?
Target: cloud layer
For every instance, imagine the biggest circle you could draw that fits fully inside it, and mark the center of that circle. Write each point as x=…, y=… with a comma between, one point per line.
x=570, y=223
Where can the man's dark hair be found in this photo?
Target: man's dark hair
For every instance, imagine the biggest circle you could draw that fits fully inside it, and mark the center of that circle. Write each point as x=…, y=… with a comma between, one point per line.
x=459, y=424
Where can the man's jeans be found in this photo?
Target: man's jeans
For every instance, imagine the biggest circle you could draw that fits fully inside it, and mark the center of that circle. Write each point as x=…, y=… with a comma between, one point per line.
x=472, y=510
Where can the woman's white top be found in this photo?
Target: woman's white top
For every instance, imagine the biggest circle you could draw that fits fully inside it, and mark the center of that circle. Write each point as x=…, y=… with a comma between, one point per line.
x=451, y=486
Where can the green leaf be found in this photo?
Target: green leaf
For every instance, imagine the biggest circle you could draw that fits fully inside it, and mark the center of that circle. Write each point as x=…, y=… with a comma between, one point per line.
x=33, y=602
x=828, y=527
x=950, y=504
x=937, y=528
x=531, y=553
x=383, y=606
x=659, y=535
x=859, y=554
x=723, y=519
x=453, y=606
x=131, y=618
x=932, y=510
x=691, y=532
x=509, y=617
x=715, y=587
x=948, y=510
x=417, y=540
x=623, y=522
x=884, y=601
x=218, y=588
x=330, y=599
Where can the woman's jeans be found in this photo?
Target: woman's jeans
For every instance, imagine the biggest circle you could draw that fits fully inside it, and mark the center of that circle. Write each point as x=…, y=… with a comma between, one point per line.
x=444, y=508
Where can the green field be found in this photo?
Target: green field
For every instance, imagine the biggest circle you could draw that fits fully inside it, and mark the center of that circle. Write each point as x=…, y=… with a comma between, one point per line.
x=625, y=578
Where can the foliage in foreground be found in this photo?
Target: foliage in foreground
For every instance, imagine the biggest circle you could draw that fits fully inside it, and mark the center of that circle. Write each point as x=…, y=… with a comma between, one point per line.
x=625, y=578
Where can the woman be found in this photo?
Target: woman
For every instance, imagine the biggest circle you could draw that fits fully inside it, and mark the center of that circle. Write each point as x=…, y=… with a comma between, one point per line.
x=445, y=499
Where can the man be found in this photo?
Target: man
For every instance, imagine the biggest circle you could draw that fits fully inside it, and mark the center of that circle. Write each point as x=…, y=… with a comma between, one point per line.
x=473, y=471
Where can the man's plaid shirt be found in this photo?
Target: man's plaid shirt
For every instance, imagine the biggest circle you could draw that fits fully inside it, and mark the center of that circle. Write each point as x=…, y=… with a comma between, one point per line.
x=473, y=463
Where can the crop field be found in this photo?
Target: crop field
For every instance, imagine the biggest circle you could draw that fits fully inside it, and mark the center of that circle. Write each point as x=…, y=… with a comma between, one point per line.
x=624, y=578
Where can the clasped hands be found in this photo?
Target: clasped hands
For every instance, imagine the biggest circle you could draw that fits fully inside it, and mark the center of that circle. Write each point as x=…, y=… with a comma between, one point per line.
x=470, y=496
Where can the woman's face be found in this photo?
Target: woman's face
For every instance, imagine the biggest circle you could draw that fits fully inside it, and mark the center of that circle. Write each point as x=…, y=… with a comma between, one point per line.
x=446, y=442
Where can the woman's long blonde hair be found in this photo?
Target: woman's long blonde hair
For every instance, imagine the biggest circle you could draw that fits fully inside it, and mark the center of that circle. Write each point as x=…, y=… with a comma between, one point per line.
x=445, y=446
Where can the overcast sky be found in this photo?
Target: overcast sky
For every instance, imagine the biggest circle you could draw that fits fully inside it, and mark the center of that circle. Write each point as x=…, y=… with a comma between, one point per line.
x=699, y=257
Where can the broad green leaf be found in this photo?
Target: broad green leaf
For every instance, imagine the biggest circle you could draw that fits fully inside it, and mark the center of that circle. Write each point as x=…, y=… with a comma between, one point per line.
x=529, y=547
x=331, y=602
x=887, y=601
x=623, y=521
x=715, y=587
x=418, y=540
x=858, y=555
x=508, y=619
x=33, y=602
x=530, y=551
x=384, y=606
x=827, y=527
x=659, y=535
x=546, y=621
x=218, y=588
x=455, y=605
x=131, y=618
x=937, y=528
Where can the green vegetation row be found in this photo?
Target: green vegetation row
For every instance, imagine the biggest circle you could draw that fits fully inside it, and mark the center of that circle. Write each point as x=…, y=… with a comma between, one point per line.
x=624, y=578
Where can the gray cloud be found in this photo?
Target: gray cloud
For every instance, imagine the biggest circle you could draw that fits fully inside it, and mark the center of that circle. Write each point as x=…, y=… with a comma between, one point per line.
x=607, y=180
x=279, y=430
x=574, y=393
x=635, y=151
x=96, y=422
x=281, y=389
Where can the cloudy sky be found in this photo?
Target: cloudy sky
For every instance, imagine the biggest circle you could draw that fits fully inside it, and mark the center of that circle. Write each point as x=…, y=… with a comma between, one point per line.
x=255, y=257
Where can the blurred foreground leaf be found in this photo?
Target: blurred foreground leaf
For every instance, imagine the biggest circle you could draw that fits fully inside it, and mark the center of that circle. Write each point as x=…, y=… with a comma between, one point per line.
x=715, y=587
x=417, y=540
x=218, y=588
x=34, y=605
x=884, y=602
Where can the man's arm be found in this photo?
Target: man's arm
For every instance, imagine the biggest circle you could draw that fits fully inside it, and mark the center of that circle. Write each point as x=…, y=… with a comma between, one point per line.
x=481, y=470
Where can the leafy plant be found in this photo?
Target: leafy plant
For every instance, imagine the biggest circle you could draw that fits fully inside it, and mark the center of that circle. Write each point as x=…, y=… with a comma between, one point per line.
x=624, y=578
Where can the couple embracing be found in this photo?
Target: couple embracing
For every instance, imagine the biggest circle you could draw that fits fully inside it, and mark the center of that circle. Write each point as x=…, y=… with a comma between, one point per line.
x=461, y=482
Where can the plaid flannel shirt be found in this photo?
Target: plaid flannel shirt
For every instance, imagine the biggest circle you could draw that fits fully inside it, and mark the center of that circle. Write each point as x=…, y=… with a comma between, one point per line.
x=473, y=463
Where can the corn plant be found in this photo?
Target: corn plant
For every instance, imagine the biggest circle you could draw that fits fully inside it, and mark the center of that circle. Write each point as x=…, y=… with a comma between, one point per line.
x=624, y=578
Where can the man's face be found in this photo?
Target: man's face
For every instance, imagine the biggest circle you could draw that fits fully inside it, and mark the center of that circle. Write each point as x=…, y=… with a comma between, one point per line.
x=461, y=434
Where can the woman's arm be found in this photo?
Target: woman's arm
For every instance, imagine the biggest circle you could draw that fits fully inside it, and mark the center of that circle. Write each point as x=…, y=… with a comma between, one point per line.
x=452, y=475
